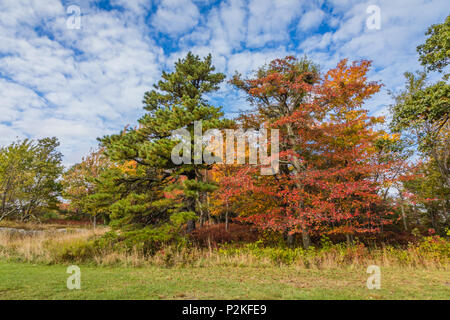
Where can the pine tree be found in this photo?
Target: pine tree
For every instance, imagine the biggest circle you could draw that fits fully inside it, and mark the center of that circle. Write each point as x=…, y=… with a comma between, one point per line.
x=176, y=101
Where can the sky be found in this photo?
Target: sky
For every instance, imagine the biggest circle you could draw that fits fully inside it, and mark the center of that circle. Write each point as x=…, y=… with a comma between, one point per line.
x=79, y=69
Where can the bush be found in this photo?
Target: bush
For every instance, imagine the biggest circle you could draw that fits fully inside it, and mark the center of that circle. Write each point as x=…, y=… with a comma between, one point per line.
x=50, y=215
x=435, y=247
x=148, y=240
x=76, y=251
x=370, y=239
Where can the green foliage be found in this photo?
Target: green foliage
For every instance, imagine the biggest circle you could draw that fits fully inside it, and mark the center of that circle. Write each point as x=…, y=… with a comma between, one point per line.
x=421, y=113
x=180, y=218
x=80, y=183
x=50, y=215
x=435, y=52
x=156, y=195
x=435, y=246
x=430, y=249
x=421, y=108
x=76, y=251
x=176, y=102
x=145, y=241
x=431, y=196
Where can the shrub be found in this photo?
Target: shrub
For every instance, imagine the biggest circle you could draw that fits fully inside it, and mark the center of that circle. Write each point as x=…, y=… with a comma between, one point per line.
x=371, y=239
x=50, y=215
x=76, y=251
x=213, y=235
x=147, y=240
x=435, y=247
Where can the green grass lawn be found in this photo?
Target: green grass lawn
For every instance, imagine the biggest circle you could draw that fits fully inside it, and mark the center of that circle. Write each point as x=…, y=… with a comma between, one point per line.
x=27, y=281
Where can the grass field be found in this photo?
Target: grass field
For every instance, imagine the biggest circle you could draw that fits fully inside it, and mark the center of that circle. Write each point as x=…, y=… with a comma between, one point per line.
x=28, y=281
x=34, y=267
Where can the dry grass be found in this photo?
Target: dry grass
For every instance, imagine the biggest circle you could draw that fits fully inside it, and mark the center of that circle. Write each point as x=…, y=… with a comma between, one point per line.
x=39, y=248
x=245, y=272
x=318, y=259
x=75, y=246
x=34, y=225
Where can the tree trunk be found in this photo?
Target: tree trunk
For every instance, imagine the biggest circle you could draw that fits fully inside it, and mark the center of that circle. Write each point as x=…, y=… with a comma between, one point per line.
x=441, y=166
x=433, y=220
x=226, y=221
x=290, y=240
x=405, y=225
x=190, y=226
x=444, y=209
x=404, y=218
x=191, y=223
x=306, y=240
x=226, y=218
x=349, y=240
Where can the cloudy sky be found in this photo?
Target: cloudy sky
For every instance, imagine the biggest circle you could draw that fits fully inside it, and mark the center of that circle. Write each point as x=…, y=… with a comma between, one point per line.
x=82, y=83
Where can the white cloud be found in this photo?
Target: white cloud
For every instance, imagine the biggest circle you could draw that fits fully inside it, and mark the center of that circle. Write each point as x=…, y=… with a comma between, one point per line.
x=392, y=48
x=76, y=84
x=311, y=20
x=81, y=84
x=16, y=98
x=137, y=7
x=269, y=20
x=175, y=16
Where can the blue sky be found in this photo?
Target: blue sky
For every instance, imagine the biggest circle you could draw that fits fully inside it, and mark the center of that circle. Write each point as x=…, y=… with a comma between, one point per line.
x=80, y=84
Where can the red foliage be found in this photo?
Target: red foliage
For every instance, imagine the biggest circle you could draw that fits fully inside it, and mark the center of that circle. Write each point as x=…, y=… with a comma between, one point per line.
x=327, y=184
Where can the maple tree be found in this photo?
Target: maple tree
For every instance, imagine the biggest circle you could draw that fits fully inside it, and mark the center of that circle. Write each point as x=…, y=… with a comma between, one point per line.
x=327, y=150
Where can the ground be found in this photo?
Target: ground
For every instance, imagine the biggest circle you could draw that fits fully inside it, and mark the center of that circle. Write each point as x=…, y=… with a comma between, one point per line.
x=28, y=281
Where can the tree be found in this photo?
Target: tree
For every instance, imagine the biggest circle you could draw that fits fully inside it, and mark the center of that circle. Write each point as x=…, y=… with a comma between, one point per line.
x=80, y=182
x=29, y=172
x=176, y=102
x=427, y=195
x=327, y=148
x=15, y=159
x=421, y=115
x=435, y=52
x=423, y=112
x=392, y=154
x=280, y=91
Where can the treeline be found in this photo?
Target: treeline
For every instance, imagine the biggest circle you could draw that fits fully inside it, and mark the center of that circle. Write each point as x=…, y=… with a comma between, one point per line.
x=341, y=171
